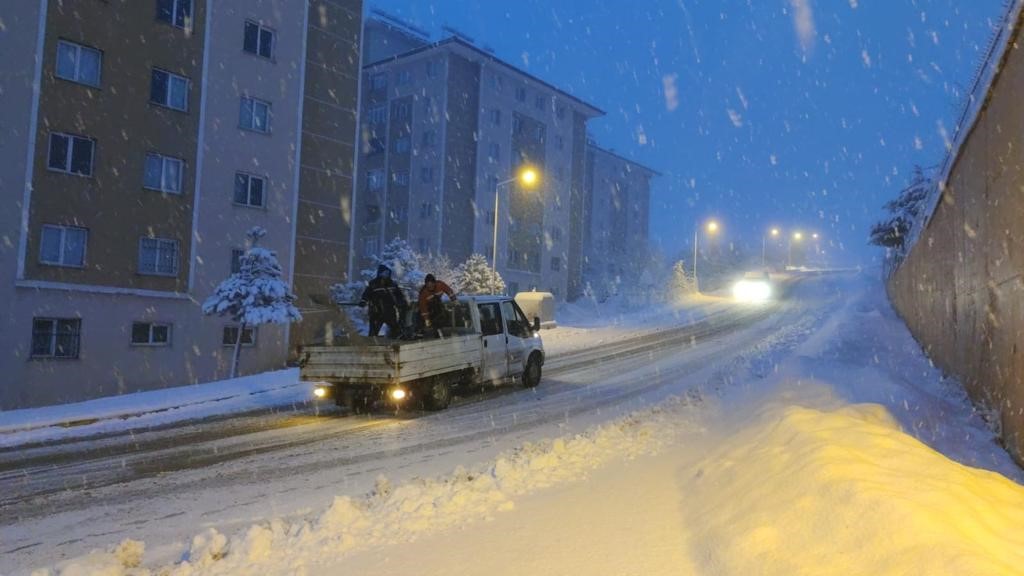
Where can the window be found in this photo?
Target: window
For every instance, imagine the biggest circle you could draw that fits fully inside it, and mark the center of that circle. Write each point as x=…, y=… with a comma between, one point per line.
x=401, y=111
x=375, y=145
x=556, y=263
x=79, y=63
x=56, y=337
x=175, y=12
x=428, y=106
x=517, y=125
x=427, y=174
x=426, y=210
x=431, y=69
x=372, y=213
x=398, y=213
x=163, y=173
x=402, y=78
x=521, y=94
x=539, y=132
x=236, y=260
x=168, y=89
x=377, y=115
x=71, y=154
x=429, y=138
x=560, y=112
x=497, y=82
x=158, y=256
x=402, y=145
x=494, y=115
x=379, y=81
x=249, y=190
x=371, y=246
x=490, y=319
x=493, y=151
x=400, y=178
x=150, y=334
x=540, y=102
x=230, y=335
x=63, y=246
x=254, y=115
x=258, y=39
x=375, y=179
x=517, y=324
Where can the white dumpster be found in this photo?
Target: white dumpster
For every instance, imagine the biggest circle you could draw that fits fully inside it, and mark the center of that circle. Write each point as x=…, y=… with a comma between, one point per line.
x=540, y=305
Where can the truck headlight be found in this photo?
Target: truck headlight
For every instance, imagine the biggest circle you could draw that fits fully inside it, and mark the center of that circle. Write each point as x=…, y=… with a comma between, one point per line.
x=320, y=392
x=398, y=394
x=751, y=291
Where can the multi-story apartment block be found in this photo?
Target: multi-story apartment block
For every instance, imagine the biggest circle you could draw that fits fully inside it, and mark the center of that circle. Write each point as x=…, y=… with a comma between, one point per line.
x=444, y=127
x=134, y=163
x=617, y=213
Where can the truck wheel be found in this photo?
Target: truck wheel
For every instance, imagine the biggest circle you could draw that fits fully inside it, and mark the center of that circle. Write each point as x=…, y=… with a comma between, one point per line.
x=531, y=374
x=437, y=395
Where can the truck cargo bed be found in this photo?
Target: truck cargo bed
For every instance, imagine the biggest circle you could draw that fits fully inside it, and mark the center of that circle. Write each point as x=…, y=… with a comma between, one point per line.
x=378, y=362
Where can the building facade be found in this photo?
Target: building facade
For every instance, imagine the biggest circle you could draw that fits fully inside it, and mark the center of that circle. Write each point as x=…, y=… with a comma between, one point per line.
x=444, y=129
x=616, y=219
x=137, y=162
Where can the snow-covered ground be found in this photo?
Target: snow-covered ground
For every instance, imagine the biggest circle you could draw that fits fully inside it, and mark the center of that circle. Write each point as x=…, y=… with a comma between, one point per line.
x=816, y=442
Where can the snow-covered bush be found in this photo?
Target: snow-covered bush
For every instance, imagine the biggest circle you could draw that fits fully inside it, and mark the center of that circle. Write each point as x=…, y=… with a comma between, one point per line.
x=441, y=267
x=406, y=271
x=475, y=276
x=681, y=282
x=255, y=294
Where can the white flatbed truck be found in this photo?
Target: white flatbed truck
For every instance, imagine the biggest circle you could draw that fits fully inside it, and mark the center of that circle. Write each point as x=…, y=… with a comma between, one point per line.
x=488, y=341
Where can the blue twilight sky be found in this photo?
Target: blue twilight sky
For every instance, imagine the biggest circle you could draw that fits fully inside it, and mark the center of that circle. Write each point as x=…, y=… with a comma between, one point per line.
x=803, y=114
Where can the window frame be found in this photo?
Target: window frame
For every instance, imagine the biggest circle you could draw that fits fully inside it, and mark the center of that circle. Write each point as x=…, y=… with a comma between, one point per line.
x=252, y=114
x=379, y=81
x=150, y=343
x=250, y=329
x=79, y=48
x=187, y=19
x=160, y=243
x=72, y=139
x=236, y=260
x=53, y=334
x=171, y=77
x=375, y=180
x=400, y=178
x=163, y=168
x=260, y=29
x=249, y=179
x=63, y=245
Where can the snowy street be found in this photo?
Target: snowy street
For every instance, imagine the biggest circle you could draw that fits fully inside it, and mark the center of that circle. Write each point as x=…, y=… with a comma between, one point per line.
x=684, y=423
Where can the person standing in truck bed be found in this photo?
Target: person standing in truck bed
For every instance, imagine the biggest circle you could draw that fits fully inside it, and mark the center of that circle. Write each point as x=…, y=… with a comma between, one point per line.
x=431, y=310
x=386, y=301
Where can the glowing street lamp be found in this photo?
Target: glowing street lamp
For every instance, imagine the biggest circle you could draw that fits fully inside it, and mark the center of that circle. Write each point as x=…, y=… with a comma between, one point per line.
x=774, y=232
x=712, y=228
x=528, y=177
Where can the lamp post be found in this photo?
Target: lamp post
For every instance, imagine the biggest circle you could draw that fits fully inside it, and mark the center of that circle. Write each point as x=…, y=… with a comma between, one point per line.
x=764, y=246
x=796, y=237
x=712, y=227
x=529, y=178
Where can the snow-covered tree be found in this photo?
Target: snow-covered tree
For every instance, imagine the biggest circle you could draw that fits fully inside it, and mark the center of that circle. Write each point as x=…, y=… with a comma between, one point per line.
x=255, y=294
x=681, y=282
x=475, y=276
x=906, y=210
x=404, y=263
x=441, y=267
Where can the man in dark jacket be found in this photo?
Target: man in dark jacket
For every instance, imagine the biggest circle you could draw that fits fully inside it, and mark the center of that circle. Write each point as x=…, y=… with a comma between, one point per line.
x=386, y=301
x=431, y=311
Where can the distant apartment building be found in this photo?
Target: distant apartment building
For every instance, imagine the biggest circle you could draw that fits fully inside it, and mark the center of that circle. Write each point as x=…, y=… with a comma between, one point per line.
x=142, y=139
x=444, y=126
x=616, y=215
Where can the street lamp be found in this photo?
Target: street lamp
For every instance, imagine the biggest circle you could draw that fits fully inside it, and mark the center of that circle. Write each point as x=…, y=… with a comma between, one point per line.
x=774, y=232
x=797, y=236
x=712, y=228
x=528, y=177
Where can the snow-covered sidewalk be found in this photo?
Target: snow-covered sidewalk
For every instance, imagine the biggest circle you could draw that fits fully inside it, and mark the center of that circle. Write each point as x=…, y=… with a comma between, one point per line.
x=850, y=455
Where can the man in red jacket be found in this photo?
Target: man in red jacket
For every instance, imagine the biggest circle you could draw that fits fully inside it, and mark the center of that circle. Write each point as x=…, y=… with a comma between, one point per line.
x=430, y=302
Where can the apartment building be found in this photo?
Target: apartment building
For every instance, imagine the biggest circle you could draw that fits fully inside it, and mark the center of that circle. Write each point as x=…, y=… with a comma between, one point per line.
x=137, y=162
x=444, y=128
x=616, y=215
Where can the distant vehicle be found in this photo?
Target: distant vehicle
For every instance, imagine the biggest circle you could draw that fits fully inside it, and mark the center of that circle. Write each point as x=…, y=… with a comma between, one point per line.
x=754, y=287
x=488, y=341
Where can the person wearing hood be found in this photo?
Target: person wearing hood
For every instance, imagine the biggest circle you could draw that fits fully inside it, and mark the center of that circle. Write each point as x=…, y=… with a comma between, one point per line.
x=431, y=311
x=386, y=301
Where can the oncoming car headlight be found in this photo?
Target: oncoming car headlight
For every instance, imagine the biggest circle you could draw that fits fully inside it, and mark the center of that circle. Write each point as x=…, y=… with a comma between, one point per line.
x=752, y=291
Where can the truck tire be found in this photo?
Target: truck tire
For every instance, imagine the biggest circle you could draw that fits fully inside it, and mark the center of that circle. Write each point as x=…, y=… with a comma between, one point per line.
x=437, y=395
x=531, y=374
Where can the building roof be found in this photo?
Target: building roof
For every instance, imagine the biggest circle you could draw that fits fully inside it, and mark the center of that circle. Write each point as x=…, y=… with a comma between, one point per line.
x=595, y=146
x=455, y=41
x=1003, y=38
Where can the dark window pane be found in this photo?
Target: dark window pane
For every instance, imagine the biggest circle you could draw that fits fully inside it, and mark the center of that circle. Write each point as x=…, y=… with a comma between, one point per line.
x=252, y=33
x=42, y=337
x=161, y=334
x=256, y=192
x=241, y=188
x=165, y=10
x=81, y=156
x=248, y=336
x=229, y=335
x=140, y=333
x=58, y=152
x=266, y=43
x=158, y=87
x=67, y=339
x=183, y=12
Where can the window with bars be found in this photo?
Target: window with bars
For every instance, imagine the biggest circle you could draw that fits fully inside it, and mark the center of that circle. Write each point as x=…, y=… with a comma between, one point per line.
x=236, y=260
x=56, y=337
x=158, y=256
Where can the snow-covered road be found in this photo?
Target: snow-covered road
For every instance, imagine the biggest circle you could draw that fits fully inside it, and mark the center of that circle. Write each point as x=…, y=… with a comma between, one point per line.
x=292, y=468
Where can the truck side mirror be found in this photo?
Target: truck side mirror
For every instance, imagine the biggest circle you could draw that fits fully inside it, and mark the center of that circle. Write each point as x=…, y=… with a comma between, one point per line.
x=536, y=323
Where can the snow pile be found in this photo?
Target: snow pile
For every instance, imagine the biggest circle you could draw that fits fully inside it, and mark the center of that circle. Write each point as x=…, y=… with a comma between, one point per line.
x=845, y=491
x=394, y=514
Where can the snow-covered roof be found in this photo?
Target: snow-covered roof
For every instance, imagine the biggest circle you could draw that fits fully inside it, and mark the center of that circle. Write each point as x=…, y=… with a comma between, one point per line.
x=984, y=80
